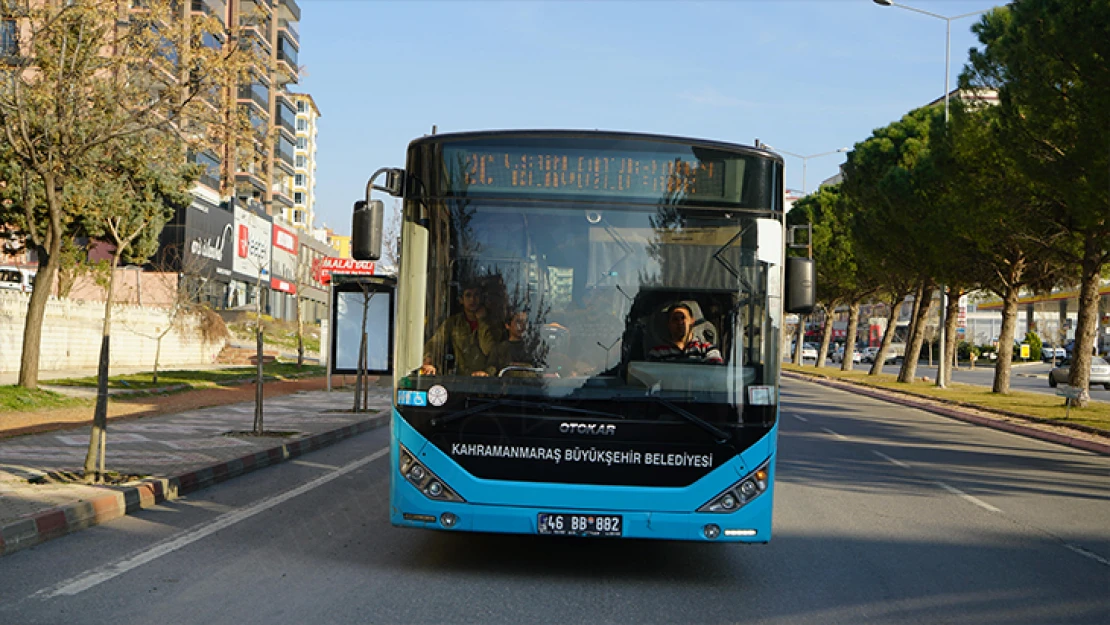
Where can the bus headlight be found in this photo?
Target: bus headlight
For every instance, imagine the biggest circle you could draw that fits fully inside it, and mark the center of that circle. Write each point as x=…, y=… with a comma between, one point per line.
x=734, y=497
x=424, y=480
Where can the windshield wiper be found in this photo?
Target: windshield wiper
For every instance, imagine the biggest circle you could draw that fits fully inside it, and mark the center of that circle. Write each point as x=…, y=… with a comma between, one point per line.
x=720, y=435
x=520, y=403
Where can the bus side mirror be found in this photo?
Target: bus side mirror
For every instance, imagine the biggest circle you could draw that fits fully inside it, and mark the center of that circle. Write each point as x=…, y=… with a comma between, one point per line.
x=800, y=289
x=366, y=230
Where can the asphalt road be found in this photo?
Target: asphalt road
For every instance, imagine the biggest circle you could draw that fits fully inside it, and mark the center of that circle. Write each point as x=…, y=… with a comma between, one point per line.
x=883, y=515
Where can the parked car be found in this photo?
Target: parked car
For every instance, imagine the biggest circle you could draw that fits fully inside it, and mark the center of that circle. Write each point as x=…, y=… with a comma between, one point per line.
x=17, y=279
x=1047, y=353
x=871, y=353
x=1100, y=373
x=809, y=351
x=838, y=355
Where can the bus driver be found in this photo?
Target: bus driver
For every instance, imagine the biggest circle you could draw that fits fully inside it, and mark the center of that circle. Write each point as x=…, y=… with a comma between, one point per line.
x=683, y=345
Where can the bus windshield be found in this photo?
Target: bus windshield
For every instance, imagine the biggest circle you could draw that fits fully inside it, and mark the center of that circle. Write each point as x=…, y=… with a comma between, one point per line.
x=596, y=301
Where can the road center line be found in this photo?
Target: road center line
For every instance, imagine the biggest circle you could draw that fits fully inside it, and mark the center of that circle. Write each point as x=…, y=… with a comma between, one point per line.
x=801, y=418
x=975, y=500
x=840, y=436
x=890, y=460
x=1088, y=554
x=93, y=578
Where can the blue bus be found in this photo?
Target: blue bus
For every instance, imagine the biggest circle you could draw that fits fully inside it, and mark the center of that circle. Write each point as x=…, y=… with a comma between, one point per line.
x=588, y=334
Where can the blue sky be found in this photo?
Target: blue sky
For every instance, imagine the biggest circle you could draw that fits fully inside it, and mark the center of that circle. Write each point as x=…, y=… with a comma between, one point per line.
x=806, y=76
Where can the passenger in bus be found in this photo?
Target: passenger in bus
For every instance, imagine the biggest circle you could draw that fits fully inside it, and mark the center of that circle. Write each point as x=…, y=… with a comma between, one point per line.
x=468, y=333
x=515, y=350
x=683, y=346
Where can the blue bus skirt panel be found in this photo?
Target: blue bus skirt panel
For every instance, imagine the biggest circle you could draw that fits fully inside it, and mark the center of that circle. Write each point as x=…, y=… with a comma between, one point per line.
x=514, y=507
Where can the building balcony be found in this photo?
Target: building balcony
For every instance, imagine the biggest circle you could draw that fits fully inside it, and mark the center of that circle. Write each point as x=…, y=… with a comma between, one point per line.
x=254, y=35
x=287, y=57
x=255, y=94
x=262, y=7
x=214, y=8
x=251, y=179
x=282, y=201
x=291, y=30
x=288, y=9
x=287, y=65
x=284, y=153
x=286, y=118
x=284, y=166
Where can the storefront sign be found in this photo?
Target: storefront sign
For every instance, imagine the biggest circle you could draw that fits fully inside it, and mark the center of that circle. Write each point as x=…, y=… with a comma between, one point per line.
x=323, y=268
x=284, y=286
x=252, y=245
x=209, y=243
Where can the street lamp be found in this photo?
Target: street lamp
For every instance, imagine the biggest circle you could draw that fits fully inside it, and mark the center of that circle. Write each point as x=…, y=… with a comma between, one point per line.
x=805, y=158
x=947, y=39
x=941, y=364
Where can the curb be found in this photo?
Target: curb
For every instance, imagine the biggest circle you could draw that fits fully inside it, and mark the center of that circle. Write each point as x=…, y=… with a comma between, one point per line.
x=57, y=522
x=955, y=413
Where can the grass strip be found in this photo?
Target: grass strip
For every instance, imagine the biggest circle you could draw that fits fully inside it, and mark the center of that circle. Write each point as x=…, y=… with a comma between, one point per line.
x=199, y=379
x=1047, y=408
x=18, y=399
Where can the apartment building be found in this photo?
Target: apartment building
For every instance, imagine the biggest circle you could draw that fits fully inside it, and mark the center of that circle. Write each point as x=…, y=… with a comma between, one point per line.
x=303, y=213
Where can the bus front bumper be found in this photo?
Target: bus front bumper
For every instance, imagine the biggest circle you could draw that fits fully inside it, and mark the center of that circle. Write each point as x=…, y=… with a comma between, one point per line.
x=750, y=524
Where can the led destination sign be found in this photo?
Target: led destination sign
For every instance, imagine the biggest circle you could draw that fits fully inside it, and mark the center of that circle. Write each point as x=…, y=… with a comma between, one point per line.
x=672, y=173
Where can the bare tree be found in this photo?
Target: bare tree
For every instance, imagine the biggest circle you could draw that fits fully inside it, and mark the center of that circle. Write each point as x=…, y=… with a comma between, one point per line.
x=391, y=237
x=187, y=276
x=126, y=202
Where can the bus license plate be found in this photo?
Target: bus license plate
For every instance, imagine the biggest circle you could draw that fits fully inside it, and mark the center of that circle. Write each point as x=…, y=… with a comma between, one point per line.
x=580, y=524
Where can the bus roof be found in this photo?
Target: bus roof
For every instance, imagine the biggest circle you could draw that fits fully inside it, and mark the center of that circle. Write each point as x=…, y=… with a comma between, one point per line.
x=570, y=134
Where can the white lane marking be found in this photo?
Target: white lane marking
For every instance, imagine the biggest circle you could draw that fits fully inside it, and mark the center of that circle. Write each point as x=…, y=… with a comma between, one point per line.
x=1087, y=554
x=890, y=460
x=801, y=418
x=979, y=502
x=840, y=436
x=90, y=579
x=314, y=465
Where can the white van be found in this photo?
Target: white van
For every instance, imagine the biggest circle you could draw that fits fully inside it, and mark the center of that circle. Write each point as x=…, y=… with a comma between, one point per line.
x=17, y=279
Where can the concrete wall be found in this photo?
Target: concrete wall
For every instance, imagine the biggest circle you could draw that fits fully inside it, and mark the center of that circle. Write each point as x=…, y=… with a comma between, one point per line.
x=132, y=286
x=72, y=330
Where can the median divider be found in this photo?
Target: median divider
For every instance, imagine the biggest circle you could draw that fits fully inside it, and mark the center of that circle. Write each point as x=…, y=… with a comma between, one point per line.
x=1000, y=420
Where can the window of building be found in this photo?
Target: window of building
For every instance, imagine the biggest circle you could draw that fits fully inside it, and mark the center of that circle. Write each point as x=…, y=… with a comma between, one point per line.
x=298, y=180
x=301, y=106
x=302, y=125
x=9, y=38
x=302, y=143
x=298, y=197
x=302, y=161
x=298, y=217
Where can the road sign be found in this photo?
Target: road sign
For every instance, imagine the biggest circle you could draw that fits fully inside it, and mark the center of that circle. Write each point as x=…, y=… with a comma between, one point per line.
x=1071, y=392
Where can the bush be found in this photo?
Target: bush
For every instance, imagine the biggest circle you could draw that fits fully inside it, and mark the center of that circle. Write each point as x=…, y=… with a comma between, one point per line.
x=965, y=349
x=212, y=326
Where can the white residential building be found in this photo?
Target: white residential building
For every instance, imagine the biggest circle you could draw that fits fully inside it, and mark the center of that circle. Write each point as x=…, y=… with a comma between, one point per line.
x=303, y=213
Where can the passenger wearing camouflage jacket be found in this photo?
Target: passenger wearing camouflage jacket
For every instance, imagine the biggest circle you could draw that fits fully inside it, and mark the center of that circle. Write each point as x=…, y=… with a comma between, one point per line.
x=471, y=337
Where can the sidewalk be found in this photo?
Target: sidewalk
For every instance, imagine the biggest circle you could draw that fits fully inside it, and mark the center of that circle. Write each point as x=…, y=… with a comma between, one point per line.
x=175, y=453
